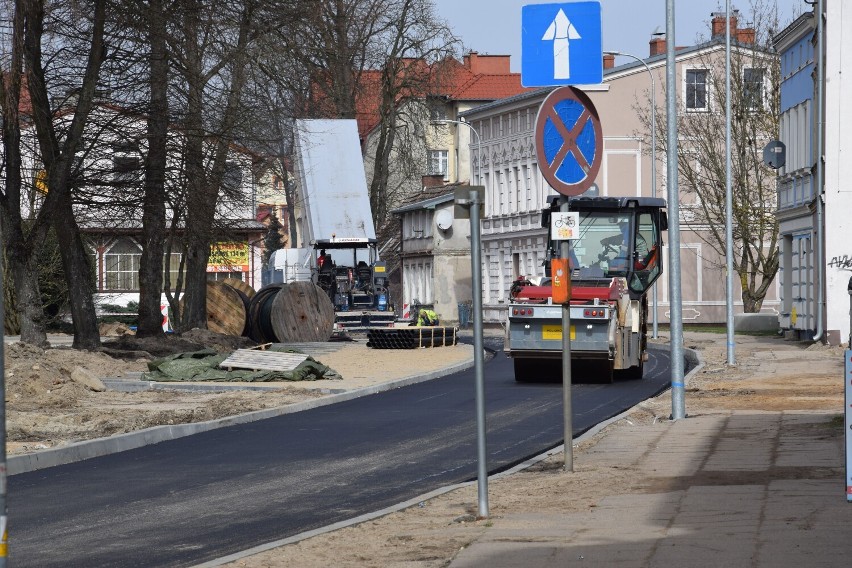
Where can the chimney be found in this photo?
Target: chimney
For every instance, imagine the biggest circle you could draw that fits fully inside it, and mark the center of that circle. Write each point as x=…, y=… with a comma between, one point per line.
x=657, y=45
x=608, y=61
x=487, y=64
x=436, y=180
x=745, y=35
x=717, y=24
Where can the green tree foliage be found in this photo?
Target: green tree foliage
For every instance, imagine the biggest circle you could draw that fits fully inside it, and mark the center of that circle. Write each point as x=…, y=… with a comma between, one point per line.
x=273, y=240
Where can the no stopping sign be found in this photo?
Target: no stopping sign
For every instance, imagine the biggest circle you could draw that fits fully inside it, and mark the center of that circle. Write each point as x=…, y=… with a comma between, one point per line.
x=568, y=141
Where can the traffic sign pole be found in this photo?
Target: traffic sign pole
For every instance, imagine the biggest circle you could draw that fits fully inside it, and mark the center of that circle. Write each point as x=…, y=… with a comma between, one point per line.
x=567, y=411
x=476, y=274
x=562, y=45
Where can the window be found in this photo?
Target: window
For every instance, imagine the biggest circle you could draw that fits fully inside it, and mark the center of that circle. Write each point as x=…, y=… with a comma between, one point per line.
x=232, y=179
x=696, y=89
x=171, y=269
x=437, y=109
x=121, y=266
x=753, y=89
x=126, y=162
x=218, y=276
x=438, y=162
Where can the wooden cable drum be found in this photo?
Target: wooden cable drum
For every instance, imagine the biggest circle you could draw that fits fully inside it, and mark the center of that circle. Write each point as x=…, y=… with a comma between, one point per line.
x=246, y=301
x=260, y=308
x=302, y=311
x=226, y=312
x=238, y=284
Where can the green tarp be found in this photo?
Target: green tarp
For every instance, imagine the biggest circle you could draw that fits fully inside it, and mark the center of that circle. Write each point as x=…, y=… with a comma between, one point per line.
x=203, y=365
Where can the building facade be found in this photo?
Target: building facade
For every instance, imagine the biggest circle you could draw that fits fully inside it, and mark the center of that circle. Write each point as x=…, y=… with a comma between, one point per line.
x=816, y=263
x=429, y=257
x=796, y=184
x=108, y=205
x=838, y=173
x=435, y=254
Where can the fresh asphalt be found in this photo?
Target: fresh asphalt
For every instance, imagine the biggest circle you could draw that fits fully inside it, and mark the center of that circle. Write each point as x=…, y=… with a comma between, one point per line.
x=193, y=499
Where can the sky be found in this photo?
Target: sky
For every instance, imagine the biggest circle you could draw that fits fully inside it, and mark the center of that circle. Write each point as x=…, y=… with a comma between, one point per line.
x=494, y=26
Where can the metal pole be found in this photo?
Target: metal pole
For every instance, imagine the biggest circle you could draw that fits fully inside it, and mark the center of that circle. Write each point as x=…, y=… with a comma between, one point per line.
x=654, y=333
x=729, y=208
x=476, y=291
x=476, y=266
x=848, y=289
x=675, y=307
x=476, y=269
x=820, y=171
x=568, y=432
x=3, y=486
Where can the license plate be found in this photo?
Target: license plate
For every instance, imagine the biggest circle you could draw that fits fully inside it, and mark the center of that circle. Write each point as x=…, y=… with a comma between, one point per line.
x=555, y=332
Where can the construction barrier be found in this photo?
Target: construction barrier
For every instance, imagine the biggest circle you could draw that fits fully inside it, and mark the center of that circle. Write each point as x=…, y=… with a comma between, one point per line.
x=411, y=337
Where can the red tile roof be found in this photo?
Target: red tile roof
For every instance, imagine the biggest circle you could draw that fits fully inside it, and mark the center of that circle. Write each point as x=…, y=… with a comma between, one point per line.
x=490, y=87
x=478, y=78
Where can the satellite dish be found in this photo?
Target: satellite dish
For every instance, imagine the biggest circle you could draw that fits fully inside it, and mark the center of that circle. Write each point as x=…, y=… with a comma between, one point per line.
x=444, y=219
x=775, y=154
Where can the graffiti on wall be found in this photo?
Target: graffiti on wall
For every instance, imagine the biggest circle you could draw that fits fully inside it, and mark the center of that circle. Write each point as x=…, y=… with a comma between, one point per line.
x=843, y=262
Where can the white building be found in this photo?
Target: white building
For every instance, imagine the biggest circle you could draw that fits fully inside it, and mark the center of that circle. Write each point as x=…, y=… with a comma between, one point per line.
x=108, y=204
x=816, y=272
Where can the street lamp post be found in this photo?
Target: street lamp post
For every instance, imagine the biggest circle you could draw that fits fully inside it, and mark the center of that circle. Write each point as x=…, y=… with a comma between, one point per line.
x=653, y=165
x=476, y=292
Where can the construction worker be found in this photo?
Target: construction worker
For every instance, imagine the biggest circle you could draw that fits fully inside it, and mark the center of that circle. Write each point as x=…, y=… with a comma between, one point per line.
x=427, y=318
x=324, y=260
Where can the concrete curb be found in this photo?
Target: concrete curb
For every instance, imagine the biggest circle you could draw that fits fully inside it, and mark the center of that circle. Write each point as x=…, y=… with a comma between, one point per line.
x=104, y=446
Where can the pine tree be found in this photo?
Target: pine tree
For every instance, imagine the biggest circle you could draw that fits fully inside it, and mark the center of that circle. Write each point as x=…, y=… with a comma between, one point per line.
x=273, y=240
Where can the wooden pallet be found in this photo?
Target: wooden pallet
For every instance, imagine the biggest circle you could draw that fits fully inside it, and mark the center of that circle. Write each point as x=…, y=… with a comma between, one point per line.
x=258, y=360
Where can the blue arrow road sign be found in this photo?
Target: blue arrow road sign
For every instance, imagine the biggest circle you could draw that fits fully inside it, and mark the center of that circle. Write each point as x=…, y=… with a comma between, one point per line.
x=561, y=44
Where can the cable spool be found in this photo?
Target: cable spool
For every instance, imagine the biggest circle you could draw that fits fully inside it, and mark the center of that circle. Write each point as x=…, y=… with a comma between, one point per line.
x=302, y=311
x=260, y=312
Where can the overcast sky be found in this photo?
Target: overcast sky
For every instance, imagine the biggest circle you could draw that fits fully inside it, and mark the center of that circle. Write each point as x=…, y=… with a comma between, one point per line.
x=494, y=26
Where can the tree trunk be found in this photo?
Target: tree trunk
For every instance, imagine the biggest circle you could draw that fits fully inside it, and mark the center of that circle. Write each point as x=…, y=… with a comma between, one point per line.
x=75, y=262
x=20, y=258
x=203, y=190
x=154, y=208
x=27, y=297
x=59, y=159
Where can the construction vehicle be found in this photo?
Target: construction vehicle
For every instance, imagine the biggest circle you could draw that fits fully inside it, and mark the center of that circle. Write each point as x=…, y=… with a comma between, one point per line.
x=613, y=264
x=337, y=223
x=355, y=281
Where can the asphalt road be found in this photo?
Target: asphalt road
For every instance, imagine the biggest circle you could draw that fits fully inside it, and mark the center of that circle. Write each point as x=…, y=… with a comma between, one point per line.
x=186, y=501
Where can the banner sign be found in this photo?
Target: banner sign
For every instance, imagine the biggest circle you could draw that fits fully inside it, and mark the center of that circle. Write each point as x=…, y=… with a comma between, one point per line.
x=229, y=257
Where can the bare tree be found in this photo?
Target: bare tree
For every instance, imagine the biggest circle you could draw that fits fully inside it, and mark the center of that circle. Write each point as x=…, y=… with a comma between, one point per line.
x=57, y=146
x=275, y=87
x=154, y=209
x=19, y=256
x=385, y=54
x=212, y=53
x=755, y=79
x=418, y=47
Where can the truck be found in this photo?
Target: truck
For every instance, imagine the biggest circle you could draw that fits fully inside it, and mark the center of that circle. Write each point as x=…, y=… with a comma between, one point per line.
x=613, y=264
x=337, y=223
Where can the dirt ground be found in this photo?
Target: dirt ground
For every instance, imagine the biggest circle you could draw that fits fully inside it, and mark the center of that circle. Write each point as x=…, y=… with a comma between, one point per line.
x=45, y=408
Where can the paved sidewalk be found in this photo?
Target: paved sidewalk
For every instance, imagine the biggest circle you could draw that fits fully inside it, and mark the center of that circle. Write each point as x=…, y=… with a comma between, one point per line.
x=733, y=489
x=719, y=488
